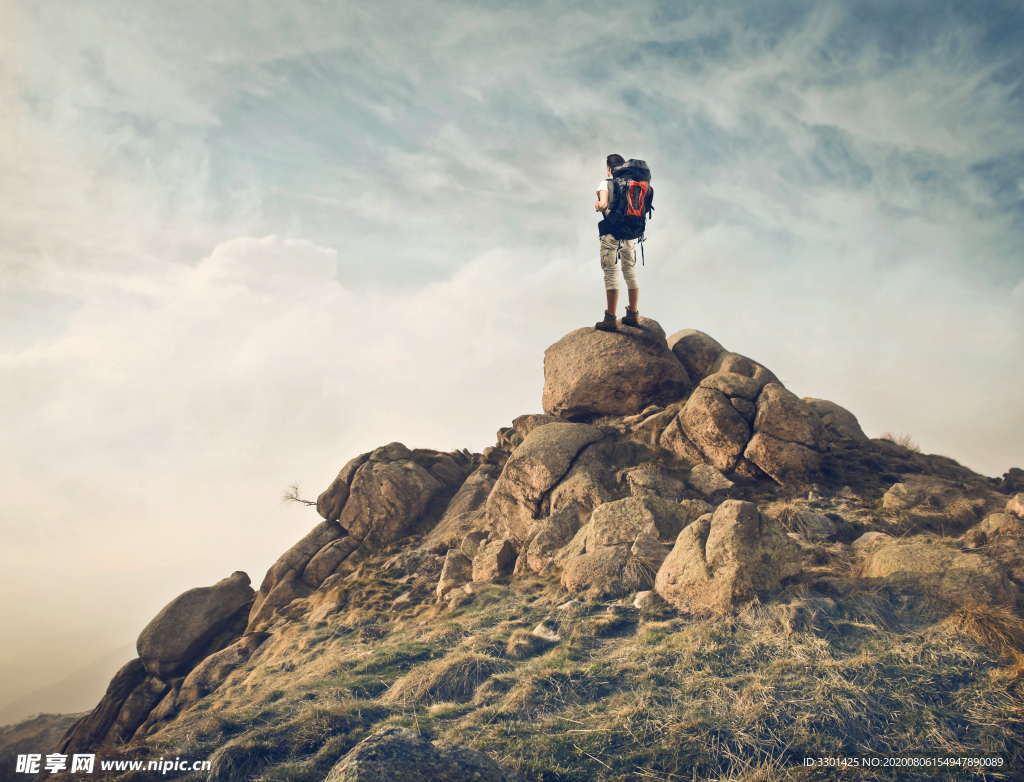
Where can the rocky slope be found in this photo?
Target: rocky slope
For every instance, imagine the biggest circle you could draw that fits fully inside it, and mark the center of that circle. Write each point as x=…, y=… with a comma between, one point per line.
x=679, y=569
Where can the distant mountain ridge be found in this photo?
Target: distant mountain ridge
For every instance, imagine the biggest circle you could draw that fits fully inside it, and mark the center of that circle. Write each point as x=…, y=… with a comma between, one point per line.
x=77, y=691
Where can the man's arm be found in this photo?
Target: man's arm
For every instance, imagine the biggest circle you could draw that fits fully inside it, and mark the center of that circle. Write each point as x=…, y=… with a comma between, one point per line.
x=602, y=201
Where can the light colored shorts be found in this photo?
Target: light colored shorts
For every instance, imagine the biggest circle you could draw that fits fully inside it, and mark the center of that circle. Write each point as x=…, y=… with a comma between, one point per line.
x=627, y=257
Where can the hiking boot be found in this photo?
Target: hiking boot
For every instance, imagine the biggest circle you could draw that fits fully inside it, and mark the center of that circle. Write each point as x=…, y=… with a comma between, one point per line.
x=630, y=318
x=608, y=324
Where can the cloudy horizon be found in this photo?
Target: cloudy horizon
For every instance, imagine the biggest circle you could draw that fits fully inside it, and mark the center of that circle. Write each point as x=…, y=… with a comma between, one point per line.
x=244, y=243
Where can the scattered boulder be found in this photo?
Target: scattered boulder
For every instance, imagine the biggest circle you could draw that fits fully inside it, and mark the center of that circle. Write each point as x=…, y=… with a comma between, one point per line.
x=870, y=541
x=992, y=528
x=1015, y=505
x=589, y=373
x=622, y=545
x=726, y=558
x=926, y=502
x=622, y=520
x=456, y=571
x=494, y=560
x=182, y=632
x=400, y=753
x=648, y=602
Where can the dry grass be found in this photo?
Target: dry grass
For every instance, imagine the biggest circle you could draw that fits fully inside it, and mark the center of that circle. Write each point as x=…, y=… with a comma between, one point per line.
x=996, y=629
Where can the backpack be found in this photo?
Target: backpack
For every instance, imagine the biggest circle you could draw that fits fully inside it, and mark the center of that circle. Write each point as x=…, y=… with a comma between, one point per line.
x=632, y=202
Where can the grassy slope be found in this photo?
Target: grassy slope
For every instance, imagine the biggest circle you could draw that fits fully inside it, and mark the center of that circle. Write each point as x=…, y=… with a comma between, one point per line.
x=623, y=696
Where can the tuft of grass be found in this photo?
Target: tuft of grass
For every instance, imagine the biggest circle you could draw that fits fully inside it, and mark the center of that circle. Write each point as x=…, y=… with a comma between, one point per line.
x=522, y=644
x=241, y=761
x=451, y=678
x=903, y=440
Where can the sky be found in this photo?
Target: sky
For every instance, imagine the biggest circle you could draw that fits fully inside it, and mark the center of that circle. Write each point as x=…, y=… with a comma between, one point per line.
x=244, y=242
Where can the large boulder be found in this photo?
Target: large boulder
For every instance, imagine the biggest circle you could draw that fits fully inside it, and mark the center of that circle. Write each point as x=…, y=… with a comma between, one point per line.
x=696, y=351
x=589, y=373
x=618, y=551
x=838, y=423
x=395, y=753
x=711, y=422
x=620, y=521
x=184, y=630
x=788, y=436
x=393, y=491
x=939, y=570
x=533, y=468
x=726, y=558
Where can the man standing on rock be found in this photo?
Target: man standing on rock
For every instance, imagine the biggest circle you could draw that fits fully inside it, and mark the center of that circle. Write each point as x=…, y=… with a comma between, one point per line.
x=614, y=248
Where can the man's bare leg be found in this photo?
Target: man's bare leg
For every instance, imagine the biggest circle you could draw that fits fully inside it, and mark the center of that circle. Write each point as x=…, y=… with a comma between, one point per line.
x=634, y=297
x=613, y=299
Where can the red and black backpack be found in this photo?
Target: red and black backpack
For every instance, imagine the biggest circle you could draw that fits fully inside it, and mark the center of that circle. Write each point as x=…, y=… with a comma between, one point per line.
x=631, y=198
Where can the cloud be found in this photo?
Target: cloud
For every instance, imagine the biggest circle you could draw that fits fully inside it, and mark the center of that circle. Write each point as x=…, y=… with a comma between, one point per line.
x=240, y=249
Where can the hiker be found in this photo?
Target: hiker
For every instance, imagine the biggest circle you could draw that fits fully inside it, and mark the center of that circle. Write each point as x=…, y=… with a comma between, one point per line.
x=622, y=225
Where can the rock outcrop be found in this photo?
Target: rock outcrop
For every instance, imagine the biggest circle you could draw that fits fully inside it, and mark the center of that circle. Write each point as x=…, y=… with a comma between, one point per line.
x=670, y=476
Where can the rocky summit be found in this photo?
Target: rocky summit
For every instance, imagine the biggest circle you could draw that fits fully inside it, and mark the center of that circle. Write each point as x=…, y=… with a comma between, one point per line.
x=678, y=569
